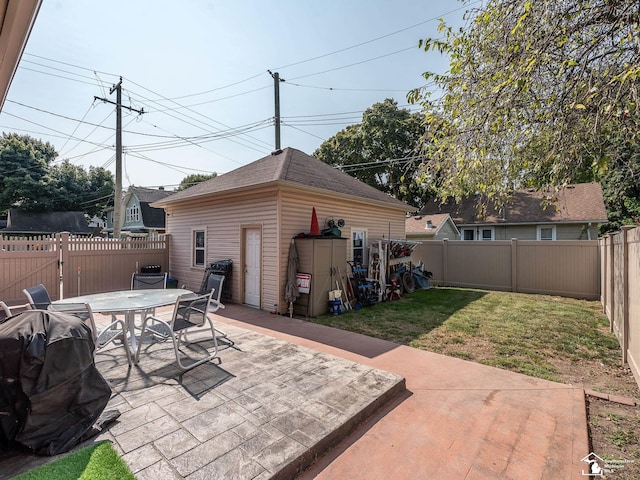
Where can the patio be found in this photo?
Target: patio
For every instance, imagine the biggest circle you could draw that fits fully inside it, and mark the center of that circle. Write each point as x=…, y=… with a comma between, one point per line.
x=288, y=391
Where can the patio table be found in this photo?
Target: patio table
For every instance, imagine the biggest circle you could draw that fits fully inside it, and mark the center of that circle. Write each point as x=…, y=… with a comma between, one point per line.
x=128, y=302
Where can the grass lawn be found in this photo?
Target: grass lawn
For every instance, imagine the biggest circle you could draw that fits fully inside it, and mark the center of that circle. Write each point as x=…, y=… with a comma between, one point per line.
x=97, y=462
x=518, y=332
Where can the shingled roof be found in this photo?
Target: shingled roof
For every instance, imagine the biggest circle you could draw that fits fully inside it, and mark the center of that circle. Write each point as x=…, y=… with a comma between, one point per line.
x=21, y=221
x=289, y=166
x=577, y=203
x=427, y=224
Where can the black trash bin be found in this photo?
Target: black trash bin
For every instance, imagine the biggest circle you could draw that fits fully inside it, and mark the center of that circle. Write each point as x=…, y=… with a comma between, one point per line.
x=224, y=268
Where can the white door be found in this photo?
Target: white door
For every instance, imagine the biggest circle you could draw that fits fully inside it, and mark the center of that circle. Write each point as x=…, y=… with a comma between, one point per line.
x=252, y=267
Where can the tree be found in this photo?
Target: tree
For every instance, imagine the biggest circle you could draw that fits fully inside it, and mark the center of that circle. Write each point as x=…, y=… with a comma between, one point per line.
x=24, y=172
x=29, y=180
x=533, y=95
x=193, y=179
x=382, y=151
x=75, y=189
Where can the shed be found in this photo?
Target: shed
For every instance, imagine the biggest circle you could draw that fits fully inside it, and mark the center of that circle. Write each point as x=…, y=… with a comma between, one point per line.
x=251, y=214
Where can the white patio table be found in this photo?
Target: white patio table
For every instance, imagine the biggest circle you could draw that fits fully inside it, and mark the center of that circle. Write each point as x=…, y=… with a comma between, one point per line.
x=128, y=302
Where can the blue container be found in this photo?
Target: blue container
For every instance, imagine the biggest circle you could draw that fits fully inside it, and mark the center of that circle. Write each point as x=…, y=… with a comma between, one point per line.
x=334, y=307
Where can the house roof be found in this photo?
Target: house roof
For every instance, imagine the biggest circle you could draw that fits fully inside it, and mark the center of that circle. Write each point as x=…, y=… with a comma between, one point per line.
x=288, y=166
x=427, y=225
x=16, y=21
x=577, y=203
x=20, y=221
x=148, y=195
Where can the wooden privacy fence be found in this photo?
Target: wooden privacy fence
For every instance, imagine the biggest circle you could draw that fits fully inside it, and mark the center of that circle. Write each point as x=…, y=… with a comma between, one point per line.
x=565, y=268
x=69, y=265
x=620, y=279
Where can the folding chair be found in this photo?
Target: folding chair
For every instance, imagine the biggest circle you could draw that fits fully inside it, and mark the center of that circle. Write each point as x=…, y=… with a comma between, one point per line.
x=38, y=297
x=114, y=331
x=189, y=312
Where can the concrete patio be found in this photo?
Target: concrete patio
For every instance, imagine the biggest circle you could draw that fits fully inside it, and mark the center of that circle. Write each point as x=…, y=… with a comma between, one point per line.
x=291, y=395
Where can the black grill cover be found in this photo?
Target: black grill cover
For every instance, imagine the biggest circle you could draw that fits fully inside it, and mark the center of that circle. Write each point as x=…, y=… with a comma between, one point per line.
x=51, y=392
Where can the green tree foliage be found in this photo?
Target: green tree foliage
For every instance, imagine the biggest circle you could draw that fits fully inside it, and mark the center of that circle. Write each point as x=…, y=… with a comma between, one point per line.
x=29, y=180
x=537, y=93
x=75, y=189
x=382, y=151
x=24, y=172
x=194, y=179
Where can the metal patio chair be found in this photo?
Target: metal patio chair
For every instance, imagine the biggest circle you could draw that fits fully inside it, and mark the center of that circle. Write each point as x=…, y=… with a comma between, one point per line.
x=144, y=281
x=214, y=284
x=189, y=312
x=5, y=311
x=114, y=331
x=38, y=297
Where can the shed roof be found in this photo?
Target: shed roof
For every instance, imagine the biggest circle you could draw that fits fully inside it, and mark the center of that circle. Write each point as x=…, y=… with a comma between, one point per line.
x=582, y=202
x=286, y=166
x=21, y=221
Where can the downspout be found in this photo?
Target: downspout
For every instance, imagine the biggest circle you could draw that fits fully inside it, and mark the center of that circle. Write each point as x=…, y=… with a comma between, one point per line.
x=589, y=231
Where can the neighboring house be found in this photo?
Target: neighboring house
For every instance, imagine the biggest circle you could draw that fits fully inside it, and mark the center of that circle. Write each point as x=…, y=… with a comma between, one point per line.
x=250, y=215
x=139, y=218
x=575, y=214
x=431, y=227
x=39, y=223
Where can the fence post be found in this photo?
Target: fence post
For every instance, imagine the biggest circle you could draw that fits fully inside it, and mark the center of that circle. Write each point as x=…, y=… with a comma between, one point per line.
x=63, y=245
x=612, y=283
x=625, y=292
x=514, y=264
x=445, y=260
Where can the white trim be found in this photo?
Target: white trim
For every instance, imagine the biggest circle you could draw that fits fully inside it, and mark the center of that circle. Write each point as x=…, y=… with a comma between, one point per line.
x=478, y=233
x=365, y=232
x=539, y=232
x=195, y=249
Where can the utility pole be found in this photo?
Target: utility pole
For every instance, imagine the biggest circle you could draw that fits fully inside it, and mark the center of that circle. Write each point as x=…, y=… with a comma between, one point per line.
x=276, y=89
x=117, y=199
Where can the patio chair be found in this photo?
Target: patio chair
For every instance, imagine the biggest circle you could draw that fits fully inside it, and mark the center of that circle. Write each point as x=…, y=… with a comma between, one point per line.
x=214, y=285
x=114, y=331
x=5, y=311
x=38, y=297
x=143, y=281
x=189, y=312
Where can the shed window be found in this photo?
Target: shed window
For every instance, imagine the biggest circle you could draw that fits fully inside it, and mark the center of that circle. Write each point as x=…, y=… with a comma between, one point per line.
x=198, y=248
x=358, y=246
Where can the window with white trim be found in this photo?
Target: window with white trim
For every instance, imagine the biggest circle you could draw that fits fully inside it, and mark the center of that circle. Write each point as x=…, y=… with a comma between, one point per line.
x=199, y=242
x=133, y=214
x=546, y=232
x=486, y=233
x=359, y=246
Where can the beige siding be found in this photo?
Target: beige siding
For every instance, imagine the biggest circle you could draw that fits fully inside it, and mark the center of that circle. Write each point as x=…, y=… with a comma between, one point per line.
x=223, y=221
x=448, y=232
x=296, y=211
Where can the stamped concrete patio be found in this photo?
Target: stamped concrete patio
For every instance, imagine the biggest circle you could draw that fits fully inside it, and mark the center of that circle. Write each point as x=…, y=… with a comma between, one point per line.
x=291, y=394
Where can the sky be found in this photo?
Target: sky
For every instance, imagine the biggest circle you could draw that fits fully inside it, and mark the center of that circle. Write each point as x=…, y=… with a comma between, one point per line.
x=200, y=71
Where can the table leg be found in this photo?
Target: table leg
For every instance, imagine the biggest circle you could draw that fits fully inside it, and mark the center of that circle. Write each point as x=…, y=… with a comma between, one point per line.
x=130, y=317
